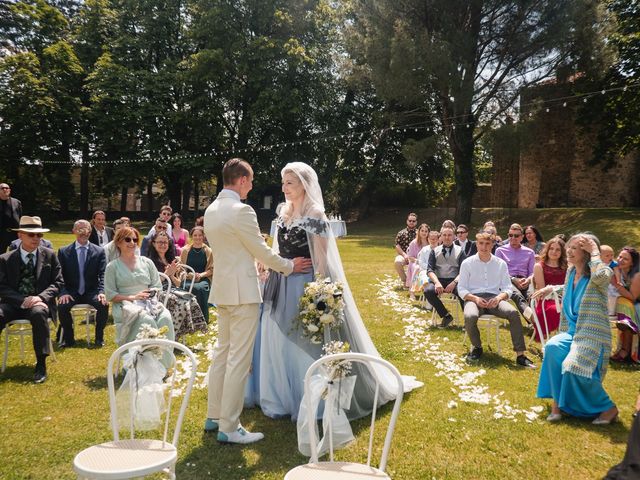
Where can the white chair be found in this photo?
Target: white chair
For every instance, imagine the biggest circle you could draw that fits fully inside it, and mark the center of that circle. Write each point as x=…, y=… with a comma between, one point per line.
x=22, y=328
x=165, y=278
x=536, y=321
x=131, y=457
x=82, y=312
x=331, y=469
x=452, y=303
x=189, y=270
x=489, y=322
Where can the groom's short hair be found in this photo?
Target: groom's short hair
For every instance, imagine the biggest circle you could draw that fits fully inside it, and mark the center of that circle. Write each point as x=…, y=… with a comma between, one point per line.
x=234, y=169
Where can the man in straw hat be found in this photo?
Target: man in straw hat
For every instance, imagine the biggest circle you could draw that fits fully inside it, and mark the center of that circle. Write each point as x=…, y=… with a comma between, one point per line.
x=30, y=279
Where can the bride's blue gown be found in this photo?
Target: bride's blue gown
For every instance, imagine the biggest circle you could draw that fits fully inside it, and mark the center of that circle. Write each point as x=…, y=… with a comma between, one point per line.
x=282, y=355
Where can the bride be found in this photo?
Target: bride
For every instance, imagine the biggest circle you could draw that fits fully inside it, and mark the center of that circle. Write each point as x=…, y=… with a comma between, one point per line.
x=284, y=354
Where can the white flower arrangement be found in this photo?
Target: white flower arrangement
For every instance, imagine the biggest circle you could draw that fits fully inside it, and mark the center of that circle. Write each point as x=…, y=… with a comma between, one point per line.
x=321, y=307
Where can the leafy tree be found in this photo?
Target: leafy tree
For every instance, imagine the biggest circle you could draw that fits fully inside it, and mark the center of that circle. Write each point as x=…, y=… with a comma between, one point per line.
x=464, y=61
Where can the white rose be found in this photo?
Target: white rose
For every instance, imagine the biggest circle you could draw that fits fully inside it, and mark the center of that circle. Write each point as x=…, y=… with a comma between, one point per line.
x=327, y=318
x=312, y=328
x=311, y=307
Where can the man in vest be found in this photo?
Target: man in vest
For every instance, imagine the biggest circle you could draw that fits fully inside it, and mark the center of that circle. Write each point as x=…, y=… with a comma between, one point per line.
x=443, y=269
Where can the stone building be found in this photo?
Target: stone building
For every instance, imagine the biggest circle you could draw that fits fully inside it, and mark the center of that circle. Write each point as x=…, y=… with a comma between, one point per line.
x=546, y=160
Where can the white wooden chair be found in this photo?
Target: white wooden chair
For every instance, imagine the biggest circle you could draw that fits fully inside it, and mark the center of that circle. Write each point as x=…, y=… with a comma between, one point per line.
x=22, y=328
x=82, y=312
x=165, y=278
x=131, y=457
x=185, y=282
x=538, y=323
x=452, y=303
x=330, y=470
x=490, y=322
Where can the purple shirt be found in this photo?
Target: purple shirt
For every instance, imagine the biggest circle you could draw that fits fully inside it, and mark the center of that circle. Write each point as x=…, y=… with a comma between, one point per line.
x=520, y=261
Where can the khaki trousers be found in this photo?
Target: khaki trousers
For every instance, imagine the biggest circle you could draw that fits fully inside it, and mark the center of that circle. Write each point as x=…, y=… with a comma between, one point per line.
x=237, y=325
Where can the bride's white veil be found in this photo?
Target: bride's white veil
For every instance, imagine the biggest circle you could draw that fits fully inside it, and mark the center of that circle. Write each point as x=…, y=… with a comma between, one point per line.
x=326, y=261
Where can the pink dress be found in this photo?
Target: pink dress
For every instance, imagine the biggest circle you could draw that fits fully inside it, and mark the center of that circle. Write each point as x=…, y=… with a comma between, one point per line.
x=552, y=276
x=181, y=241
x=412, y=250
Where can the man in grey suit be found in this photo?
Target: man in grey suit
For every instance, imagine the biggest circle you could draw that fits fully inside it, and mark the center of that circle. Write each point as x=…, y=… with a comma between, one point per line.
x=234, y=235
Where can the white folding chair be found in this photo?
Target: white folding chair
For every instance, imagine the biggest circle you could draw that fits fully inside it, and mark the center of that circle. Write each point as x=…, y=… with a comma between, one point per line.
x=132, y=457
x=489, y=322
x=22, y=328
x=330, y=470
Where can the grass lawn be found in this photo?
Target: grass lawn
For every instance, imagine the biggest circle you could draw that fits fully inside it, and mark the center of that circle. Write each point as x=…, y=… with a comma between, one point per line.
x=438, y=434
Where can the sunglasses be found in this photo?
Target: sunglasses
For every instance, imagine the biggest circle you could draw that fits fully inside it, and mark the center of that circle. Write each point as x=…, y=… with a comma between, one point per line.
x=130, y=239
x=161, y=227
x=515, y=235
x=31, y=235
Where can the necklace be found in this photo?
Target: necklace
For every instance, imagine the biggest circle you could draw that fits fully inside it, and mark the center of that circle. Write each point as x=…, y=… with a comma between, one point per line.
x=197, y=250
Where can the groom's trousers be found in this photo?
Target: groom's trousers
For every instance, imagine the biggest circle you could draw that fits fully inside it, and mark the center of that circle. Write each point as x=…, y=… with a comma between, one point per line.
x=229, y=370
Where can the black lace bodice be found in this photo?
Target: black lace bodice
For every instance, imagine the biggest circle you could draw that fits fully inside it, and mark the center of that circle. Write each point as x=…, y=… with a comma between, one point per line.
x=293, y=241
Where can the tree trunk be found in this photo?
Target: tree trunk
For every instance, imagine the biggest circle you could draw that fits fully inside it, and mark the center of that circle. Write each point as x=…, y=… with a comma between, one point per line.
x=186, y=196
x=196, y=196
x=123, y=199
x=84, y=183
x=149, y=203
x=461, y=142
x=174, y=190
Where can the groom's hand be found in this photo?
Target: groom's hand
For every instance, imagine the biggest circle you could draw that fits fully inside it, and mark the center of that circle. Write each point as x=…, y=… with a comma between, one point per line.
x=301, y=265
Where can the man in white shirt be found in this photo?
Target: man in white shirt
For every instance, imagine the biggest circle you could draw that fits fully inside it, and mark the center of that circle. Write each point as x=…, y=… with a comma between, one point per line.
x=485, y=286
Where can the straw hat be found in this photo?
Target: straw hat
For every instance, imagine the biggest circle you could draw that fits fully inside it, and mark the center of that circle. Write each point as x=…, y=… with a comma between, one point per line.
x=30, y=225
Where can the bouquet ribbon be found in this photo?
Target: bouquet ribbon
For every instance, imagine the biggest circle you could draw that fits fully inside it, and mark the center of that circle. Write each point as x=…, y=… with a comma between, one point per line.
x=336, y=394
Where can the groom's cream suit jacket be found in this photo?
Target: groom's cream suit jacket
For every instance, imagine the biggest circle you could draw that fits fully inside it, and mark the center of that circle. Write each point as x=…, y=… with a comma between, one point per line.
x=233, y=233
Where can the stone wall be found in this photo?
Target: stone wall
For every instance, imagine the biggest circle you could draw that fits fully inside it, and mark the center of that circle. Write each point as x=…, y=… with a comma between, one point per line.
x=553, y=155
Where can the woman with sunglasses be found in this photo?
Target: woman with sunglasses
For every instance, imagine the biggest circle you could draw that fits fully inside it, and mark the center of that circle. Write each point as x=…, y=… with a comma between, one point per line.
x=131, y=283
x=185, y=311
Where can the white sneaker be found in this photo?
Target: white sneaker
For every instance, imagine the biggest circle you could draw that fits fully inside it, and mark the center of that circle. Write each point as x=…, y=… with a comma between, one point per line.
x=240, y=436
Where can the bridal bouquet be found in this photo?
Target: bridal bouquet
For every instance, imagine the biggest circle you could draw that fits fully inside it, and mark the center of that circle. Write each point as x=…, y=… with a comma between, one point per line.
x=321, y=307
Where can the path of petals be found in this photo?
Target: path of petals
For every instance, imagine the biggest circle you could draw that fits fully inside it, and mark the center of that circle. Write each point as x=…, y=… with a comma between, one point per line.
x=203, y=350
x=466, y=384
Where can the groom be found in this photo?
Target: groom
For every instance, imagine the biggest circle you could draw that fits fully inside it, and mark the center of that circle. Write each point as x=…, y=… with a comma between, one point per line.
x=233, y=233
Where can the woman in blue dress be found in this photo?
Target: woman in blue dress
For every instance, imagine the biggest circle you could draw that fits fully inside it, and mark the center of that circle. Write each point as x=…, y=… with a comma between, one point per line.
x=284, y=353
x=575, y=361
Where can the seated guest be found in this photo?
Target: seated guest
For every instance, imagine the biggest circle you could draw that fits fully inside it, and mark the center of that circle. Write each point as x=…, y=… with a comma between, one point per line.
x=83, y=265
x=627, y=304
x=413, y=250
x=520, y=261
x=462, y=239
x=165, y=214
x=421, y=278
x=17, y=242
x=30, y=279
x=130, y=282
x=126, y=221
x=200, y=257
x=485, y=287
x=448, y=224
x=575, y=361
x=185, y=312
x=533, y=239
x=443, y=269
x=200, y=221
x=492, y=231
x=550, y=271
x=180, y=236
x=403, y=239
x=160, y=225
x=100, y=233
x=110, y=250
x=606, y=254
x=488, y=226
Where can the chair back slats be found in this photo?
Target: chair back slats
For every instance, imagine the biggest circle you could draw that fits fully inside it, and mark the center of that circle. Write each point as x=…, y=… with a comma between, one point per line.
x=191, y=271
x=167, y=346
x=372, y=363
x=165, y=278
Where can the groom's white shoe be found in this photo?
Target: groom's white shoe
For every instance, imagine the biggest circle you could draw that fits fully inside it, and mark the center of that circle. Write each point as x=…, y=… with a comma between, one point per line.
x=240, y=436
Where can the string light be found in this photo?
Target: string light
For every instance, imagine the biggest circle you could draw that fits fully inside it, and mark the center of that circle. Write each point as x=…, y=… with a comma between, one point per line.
x=316, y=141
